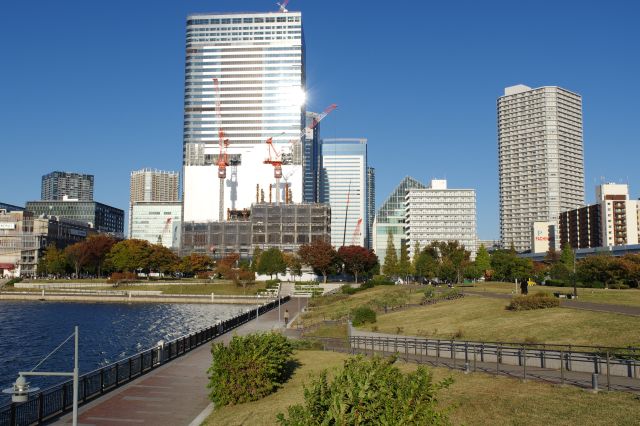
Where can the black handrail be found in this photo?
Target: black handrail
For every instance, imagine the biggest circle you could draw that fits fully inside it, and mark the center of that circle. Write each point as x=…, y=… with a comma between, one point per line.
x=56, y=400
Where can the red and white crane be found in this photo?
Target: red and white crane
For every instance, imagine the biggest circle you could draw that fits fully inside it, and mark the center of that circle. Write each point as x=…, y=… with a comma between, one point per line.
x=223, y=160
x=283, y=6
x=356, y=233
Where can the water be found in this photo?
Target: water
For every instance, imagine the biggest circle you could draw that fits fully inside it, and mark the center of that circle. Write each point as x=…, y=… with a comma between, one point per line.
x=29, y=331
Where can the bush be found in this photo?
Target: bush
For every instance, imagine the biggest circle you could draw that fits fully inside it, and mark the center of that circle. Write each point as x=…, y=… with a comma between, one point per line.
x=347, y=289
x=250, y=368
x=370, y=392
x=429, y=292
x=363, y=315
x=12, y=281
x=381, y=280
x=536, y=301
x=122, y=276
x=557, y=283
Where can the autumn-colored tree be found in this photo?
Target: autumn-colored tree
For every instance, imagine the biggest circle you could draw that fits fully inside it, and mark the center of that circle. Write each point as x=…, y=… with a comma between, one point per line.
x=97, y=247
x=129, y=255
x=320, y=255
x=53, y=262
x=357, y=260
x=225, y=266
x=294, y=264
x=162, y=259
x=78, y=256
x=195, y=263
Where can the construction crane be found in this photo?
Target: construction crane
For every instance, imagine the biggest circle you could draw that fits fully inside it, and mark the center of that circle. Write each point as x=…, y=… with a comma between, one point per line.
x=223, y=160
x=283, y=6
x=356, y=233
x=164, y=230
x=346, y=212
x=275, y=159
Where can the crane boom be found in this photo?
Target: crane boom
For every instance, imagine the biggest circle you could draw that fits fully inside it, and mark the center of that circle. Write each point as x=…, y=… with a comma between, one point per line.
x=223, y=144
x=356, y=232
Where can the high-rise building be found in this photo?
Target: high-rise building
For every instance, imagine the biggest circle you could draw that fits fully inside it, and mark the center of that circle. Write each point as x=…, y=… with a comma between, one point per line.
x=343, y=185
x=311, y=159
x=371, y=204
x=540, y=159
x=390, y=219
x=149, y=185
x=439, y=213
x=58, y=185
x=245, y=77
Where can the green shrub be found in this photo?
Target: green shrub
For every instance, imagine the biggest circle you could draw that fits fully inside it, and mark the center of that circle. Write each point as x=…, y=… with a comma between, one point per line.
x=381, y=280
x=370, y=392
x=250, y=368
x=557, y=283
x=347, y=289
x=274, y=282
x=429, y=292
x=536, y=301
x=363, y=315
x=12, y=281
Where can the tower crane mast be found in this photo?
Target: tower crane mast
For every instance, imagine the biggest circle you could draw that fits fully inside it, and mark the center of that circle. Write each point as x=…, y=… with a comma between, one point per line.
x=223, y=144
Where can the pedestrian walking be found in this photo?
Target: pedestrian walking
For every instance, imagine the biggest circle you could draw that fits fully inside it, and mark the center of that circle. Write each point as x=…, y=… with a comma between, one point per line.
x=286, y=317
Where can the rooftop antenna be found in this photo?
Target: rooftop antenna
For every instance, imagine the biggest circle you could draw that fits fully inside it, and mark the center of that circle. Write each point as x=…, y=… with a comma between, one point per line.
x=283, y=6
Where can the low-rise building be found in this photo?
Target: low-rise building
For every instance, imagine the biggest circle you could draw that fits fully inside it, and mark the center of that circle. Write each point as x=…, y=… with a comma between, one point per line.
x=265, y=225
x=101, y=217
x=24, y=237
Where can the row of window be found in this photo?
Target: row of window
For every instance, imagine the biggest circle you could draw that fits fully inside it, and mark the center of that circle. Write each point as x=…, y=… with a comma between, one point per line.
x=257, y=20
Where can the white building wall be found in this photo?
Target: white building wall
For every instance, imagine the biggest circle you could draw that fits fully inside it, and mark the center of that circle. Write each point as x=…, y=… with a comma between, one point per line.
x=258, y=59
x=158, y=223
x=441, y=215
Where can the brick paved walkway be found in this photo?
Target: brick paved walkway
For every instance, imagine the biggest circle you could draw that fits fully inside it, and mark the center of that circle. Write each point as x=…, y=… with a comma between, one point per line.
x=173, y=394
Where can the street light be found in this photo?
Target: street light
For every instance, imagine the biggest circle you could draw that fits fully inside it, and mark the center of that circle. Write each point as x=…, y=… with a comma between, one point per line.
x=21, y=389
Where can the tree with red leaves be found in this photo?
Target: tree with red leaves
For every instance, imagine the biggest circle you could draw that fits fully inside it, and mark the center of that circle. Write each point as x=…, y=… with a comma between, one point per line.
x=320, y=255
x=357, y=259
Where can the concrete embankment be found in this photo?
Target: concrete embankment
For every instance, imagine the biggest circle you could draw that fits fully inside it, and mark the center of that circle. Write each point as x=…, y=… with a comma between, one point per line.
x=53, y=297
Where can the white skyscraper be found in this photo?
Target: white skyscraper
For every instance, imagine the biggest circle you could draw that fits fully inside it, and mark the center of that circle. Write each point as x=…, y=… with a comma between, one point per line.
x=343, y=184
x=149, y=185
x=439, y=213
x=258, y=61
x=540, y=159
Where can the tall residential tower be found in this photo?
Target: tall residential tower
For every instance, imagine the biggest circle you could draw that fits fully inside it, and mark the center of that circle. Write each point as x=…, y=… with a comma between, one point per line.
x=245, y=75
x=57, y=186
x=540, y=159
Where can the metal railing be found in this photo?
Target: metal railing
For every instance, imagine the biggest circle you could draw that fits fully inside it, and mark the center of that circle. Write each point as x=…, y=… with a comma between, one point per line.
x=54, y=401
x=555, y=363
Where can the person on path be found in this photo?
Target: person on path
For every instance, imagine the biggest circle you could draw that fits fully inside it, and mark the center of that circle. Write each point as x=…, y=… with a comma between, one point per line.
x=286, y=317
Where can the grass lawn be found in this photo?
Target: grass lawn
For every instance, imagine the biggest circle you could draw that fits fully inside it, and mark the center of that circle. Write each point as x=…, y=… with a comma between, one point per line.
x=629, y=297
x=340, y=305
x=477, y=398
x=485, y=319
x=338, y=331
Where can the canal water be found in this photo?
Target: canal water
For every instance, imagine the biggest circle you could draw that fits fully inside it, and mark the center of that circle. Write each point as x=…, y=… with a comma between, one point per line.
x=29, y=331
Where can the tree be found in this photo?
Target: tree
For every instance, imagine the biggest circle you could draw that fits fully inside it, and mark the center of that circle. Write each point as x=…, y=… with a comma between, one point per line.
x=161, y=259
x=255, y=260
x=483, y=260
x=78, y=256
x=54, y=261
x=97, y=247
x=294, y=264
x=404, y=264
x=390, y=267
x=509, y=267
x=130, y=255
x=226, y=266
x=567, y=257
x=320, y=255
x=426, y=265
x=416, y=253
x=195, y=263
x=357, y=259
x=271, y=262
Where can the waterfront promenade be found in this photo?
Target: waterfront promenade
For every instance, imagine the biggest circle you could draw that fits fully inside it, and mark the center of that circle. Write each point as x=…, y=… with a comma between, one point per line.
x=173, y=394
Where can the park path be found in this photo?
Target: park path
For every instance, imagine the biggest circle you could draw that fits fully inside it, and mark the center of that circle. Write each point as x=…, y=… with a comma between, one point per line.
x=175, y=393
x=573, y=304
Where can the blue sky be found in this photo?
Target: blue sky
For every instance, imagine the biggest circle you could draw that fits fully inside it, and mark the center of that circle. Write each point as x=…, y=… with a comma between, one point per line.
x=97, y=87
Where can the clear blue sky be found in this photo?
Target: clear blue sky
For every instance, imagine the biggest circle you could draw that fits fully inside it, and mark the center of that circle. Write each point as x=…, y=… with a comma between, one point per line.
x=97, y=87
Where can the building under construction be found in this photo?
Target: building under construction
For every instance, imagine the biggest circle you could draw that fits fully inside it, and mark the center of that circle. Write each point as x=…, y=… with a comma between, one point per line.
x=265, y=225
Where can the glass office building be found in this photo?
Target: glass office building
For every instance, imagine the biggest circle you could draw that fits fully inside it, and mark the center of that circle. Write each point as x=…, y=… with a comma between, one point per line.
x=258, y=61
x=103, y=218
x=343, y=184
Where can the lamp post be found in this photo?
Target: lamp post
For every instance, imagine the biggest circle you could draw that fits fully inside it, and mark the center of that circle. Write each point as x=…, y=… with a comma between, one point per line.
x=21, y=389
